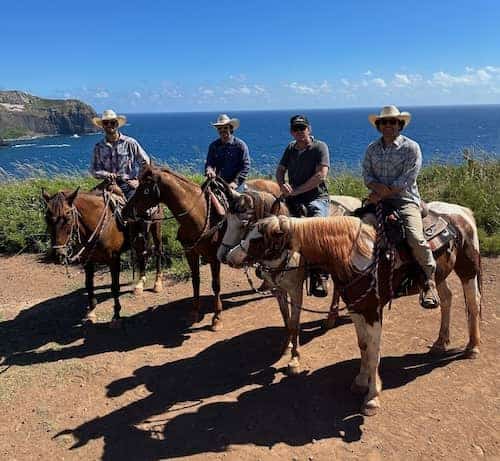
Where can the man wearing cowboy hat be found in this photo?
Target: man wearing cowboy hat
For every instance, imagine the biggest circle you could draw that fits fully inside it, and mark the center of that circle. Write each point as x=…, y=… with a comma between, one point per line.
x=117, y=158
x=307, y=161
x=390, y=169
x=228, y=156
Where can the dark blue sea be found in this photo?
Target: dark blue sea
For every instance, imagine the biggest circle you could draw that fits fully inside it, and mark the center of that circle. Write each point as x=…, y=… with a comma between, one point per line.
x=181, y=139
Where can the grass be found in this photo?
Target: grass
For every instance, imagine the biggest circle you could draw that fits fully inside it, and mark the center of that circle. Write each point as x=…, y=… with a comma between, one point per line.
x=474, y=184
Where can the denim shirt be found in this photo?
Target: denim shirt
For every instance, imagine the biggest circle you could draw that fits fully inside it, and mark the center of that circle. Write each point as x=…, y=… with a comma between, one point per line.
x=396, y=165
x=124, y=157
x=231, y=161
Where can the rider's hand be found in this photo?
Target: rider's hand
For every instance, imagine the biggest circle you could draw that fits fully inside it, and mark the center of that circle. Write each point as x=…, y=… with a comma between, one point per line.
x=133, y=183
x=210, y=173
x=233, y=185
x=286, y=189
x=112, y=177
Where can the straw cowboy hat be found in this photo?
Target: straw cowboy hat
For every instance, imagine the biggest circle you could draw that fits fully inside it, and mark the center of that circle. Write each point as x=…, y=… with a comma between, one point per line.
x=390, y=112
x=109, y=114
x=223, y=119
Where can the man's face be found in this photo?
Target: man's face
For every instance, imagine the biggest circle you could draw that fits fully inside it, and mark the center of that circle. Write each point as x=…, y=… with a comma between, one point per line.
x=110, y=127
x=224, y=132
x=301, y=133
x=389, y=127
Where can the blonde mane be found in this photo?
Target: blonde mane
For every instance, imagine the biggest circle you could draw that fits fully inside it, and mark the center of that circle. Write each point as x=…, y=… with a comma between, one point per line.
x=331, y=241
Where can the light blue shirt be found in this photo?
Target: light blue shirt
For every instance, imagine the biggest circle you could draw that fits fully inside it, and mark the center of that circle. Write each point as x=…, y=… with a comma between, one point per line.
x=396, y=165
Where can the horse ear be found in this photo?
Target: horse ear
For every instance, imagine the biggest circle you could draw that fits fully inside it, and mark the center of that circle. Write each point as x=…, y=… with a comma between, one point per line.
x=71, y=197
x=147, y=172
x=276, y=207
x=45, y=196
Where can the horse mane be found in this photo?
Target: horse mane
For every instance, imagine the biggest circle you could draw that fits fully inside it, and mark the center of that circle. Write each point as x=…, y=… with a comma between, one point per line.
x=180, y=177
x=263, y=203
x=331, y=239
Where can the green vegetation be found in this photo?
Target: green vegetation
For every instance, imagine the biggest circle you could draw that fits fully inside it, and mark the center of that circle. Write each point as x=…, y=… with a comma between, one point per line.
x=474, y=184
x=13, y=133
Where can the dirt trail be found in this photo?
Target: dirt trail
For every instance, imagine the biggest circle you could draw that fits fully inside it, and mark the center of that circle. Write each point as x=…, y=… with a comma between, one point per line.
x=154, y=390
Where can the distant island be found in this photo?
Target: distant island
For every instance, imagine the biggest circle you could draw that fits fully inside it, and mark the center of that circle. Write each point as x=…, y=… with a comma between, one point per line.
x=23, y=115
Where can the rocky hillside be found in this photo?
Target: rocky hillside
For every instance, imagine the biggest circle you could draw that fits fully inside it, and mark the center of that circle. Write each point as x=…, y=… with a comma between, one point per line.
x=22, y=114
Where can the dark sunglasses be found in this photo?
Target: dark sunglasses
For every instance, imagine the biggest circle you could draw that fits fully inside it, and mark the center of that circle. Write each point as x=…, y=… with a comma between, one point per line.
x=224, y=128
x=388, y=121
x=299, y=128
x=109, y=123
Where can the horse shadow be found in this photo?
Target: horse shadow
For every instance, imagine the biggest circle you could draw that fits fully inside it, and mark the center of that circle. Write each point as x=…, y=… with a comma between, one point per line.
x=295, y=410
x=55, y=324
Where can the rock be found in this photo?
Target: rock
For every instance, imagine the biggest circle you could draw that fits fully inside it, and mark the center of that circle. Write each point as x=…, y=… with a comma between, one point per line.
x=24, y=115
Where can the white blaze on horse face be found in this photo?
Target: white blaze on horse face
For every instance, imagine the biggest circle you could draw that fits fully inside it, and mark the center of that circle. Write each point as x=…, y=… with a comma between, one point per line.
x=234, y=233
x=239, y=254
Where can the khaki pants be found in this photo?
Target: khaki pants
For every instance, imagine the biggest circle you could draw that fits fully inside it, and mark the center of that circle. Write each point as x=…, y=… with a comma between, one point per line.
x=412, y=219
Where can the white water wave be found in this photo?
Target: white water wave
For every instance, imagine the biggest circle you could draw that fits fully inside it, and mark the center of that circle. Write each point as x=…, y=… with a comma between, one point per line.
x=23, y=145
x=56, y=145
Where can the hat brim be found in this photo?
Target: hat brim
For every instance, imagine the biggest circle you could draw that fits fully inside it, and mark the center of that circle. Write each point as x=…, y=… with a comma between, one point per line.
x=403, y=116
x=234, y=122
x=122, y=120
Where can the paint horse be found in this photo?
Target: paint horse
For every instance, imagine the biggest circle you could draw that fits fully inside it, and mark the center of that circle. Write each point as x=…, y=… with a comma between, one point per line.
x=344, y=247
x=83, y=227
x=247, y=208
x=201, y=224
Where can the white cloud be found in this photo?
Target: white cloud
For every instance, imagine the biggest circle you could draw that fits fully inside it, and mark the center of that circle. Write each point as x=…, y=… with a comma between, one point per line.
x=406, y=80
x=238, y=77
x=380, y=82
x=345, y=82
x=368, y=73
x=136, y=94
x=102, y=94
x=322, y=88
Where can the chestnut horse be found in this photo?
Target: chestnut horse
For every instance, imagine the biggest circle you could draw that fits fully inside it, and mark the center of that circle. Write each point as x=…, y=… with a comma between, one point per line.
x=83, y=227
x=200, y=227
x=344, y=247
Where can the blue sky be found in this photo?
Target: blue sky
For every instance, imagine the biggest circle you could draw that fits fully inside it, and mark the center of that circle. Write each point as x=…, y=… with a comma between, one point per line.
x=219, y=56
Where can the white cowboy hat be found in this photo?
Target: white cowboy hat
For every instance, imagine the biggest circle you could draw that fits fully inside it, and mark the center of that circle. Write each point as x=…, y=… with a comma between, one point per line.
x=223, y=119
x=109, y=114
x=390, y=112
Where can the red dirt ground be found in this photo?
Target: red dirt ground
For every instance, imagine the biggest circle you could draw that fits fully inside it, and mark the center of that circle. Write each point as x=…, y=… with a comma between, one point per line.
x=156, y=390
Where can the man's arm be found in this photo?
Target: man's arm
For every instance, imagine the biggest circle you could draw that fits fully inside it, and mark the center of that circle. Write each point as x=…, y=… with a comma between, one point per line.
x=242, y=175
x=412, y=167
x=314, y=181
x=210, y=170
x=97, y=167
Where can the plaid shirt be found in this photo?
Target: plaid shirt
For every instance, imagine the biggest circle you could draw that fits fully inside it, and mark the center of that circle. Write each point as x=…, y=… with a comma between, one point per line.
x=396, y=165
x=125, y=157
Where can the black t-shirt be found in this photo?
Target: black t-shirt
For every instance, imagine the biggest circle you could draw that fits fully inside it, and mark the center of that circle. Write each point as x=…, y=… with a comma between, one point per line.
x=301, y=165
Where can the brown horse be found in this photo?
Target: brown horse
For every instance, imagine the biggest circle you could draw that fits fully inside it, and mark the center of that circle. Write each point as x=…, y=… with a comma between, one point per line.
x=344, y=247
x=200, y=225
x=83, y=227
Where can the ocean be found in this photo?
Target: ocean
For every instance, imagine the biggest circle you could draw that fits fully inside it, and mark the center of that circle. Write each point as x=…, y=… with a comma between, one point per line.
x=181, y=139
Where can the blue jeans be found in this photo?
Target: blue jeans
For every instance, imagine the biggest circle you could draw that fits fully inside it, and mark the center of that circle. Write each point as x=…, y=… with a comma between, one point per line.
x=242, y=188
x=318, y=208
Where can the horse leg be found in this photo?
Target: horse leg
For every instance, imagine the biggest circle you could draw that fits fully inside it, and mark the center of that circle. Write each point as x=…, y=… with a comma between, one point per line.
x=370, y=341
x=443, y=340
x=282, y=299
x=473, y=309
x=115, y=289
x=333, y=315
x=156, y=234
x=294, y=328
x=90, y=316
x=360, y=383
x=193, y=260
x=141, y=261
x=217, y=318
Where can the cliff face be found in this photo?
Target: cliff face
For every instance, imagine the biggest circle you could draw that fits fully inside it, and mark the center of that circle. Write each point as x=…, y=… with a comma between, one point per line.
x=22, y=114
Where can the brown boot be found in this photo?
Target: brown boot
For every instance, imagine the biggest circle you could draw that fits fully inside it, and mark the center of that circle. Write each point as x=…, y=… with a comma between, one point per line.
x=429, y=298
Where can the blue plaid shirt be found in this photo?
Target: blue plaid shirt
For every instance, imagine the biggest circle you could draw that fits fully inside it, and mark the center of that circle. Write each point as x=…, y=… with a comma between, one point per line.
x=396, y=165
x=124, y=157
x=231, y=161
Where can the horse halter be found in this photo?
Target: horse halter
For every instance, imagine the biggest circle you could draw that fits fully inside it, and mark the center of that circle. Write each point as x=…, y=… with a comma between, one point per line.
x=75, y=228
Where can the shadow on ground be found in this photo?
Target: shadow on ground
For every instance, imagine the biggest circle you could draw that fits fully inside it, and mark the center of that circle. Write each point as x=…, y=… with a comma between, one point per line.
x=295, y=410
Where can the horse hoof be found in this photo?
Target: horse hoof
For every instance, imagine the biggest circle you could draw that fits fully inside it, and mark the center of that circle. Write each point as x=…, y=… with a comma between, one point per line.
x=357, y=389
x=437, y=349
x=472, y=352
x=330, y=322
x=292, y=369
x=216, y=325
x=371, y=407
x=115, y=323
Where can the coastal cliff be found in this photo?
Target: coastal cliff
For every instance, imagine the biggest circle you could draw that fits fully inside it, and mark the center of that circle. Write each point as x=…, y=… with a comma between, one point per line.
x=25, y=115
